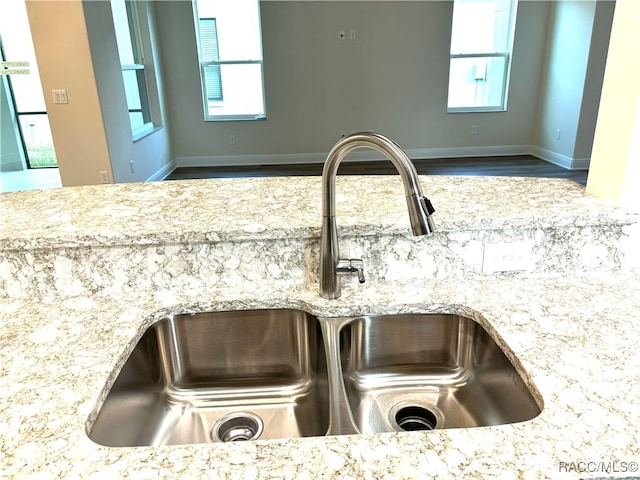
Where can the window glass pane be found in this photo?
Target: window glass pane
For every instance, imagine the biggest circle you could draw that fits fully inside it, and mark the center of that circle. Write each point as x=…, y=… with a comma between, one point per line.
x=481, y=26
x=134, y=85
x=37, y=138
x=123, y=32
x=243, y=95
x=131, y=89
x=18, y=47
x=476, y=82
x=27, y=90
x=238, y=27
x=209, y=39
x=213, y=83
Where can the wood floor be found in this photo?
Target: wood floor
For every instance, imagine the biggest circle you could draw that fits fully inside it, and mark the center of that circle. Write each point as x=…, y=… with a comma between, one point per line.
x=513, y=166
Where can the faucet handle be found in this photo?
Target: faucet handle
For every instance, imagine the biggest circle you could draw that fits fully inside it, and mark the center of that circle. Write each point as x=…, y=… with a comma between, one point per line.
x=352, y=267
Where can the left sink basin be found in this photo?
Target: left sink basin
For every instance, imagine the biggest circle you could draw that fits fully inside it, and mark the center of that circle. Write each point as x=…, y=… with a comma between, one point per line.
x=219, y=376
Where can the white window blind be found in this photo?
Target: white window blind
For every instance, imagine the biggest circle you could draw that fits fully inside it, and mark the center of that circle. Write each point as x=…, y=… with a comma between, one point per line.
x=210, y=55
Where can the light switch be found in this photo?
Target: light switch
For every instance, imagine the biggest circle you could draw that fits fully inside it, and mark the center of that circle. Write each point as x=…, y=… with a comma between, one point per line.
x=60, y=96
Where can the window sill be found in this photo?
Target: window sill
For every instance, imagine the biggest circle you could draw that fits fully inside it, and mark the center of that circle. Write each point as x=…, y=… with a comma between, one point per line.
x=476, y=109
x=235, y=118
x=145, y=131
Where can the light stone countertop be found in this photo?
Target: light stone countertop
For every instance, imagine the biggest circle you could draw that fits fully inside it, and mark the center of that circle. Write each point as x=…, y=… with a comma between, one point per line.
x=576, y=338
x=575, y=334
x=281, y=207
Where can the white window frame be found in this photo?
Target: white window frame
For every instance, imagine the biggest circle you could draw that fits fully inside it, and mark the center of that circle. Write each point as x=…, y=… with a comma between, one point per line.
x=204, y=64
x=145, y=73
x=506, y=55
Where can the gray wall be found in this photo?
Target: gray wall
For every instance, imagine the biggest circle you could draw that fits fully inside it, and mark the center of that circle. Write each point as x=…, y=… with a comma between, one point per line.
x=392, y=78
x=150, y=155
x=572, y=79
x=603, y=18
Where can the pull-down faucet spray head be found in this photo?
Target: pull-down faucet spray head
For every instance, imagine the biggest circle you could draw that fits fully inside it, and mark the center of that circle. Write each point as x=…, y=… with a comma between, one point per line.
x=420, y=210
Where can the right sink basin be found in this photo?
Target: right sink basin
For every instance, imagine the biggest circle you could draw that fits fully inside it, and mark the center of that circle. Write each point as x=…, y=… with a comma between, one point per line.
x=429, y=371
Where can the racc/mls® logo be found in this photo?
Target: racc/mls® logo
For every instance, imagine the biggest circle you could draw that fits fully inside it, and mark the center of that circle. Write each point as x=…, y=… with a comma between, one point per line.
x=600, y=466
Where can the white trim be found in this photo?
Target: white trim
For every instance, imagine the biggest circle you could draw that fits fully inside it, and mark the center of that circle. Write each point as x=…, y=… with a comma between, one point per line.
x=163, y=173
x=560, y=160
x=231, y=160
x=454, y=152
x=359, y=156
x=580, y=163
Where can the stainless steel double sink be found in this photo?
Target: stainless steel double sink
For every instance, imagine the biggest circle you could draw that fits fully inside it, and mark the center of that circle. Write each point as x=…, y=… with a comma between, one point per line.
x=284, y=373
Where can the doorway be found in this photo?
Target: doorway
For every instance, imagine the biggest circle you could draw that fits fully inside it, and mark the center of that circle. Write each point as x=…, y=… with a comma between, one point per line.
x=27, y=155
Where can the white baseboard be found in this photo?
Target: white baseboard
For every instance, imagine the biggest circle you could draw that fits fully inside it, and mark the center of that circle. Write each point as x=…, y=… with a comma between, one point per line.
x=231, y=160
x=368, y=155
x=455, y=152
x=163, y=173
x=361, y=155
x=561, y=160
x=580, y=163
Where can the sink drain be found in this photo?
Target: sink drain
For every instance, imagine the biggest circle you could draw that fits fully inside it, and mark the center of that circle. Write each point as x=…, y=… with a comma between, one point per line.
x=415, y=418
x=237, y=427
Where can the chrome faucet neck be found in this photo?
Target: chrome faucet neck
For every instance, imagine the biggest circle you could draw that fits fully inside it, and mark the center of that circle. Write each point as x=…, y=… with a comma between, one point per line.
x=420, y=209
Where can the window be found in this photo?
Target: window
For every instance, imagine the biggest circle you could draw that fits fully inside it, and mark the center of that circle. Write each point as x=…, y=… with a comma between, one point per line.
x=230, y=52
x=481, y=43
x=128, y=37
x=27, y=123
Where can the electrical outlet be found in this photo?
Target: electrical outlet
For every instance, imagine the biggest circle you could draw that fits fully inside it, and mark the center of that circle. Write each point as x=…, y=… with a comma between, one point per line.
x=232, y=139
x=474, y=129
x=507, y=257
x=352, y=35
x=104, y=177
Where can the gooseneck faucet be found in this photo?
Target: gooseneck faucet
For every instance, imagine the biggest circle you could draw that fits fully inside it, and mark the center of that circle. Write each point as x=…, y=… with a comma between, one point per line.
x=420, y=208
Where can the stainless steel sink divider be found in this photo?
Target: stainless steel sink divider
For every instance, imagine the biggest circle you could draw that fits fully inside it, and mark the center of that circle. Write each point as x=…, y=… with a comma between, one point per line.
x=341, y=420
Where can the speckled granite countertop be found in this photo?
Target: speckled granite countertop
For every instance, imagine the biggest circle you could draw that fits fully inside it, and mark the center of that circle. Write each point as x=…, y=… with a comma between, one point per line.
x=237, y=209
x=574, y=333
